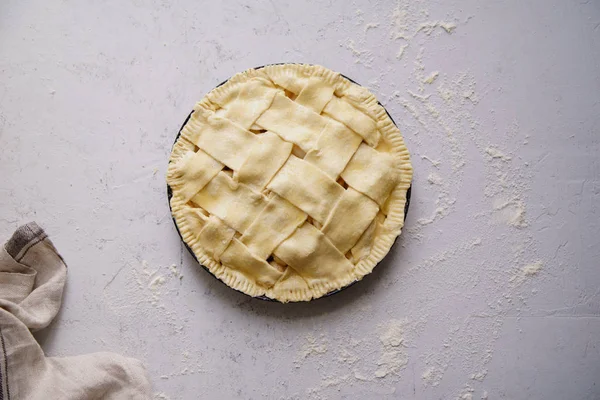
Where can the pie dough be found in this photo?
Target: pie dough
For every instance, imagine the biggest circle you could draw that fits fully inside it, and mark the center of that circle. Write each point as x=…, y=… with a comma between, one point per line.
x=289, y=181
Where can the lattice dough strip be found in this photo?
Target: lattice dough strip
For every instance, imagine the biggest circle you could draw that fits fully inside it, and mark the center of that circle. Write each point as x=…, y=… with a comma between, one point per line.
x=291, y=280
x=192, y=172
x=264, y=159
x=215, y=237
x=308, y=251
x=219, y=137
x=238, y=257
x=295, y=77
x=349, y=219
x=233, y=202
x=354, y=119
x=334, y=148
x=306, y=187
x=276, y=222
x=254, y=97
x=315, y=94
x=293, y=122
x=372, y=173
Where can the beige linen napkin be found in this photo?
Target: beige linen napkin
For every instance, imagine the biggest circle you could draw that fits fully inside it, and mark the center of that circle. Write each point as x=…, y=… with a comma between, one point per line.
x=32, y=278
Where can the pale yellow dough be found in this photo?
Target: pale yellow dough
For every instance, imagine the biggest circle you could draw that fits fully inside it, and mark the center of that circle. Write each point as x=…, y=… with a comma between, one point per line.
x=289, y=181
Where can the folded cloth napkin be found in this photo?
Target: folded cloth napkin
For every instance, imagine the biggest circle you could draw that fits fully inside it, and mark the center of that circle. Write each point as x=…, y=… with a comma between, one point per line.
x=32, y=278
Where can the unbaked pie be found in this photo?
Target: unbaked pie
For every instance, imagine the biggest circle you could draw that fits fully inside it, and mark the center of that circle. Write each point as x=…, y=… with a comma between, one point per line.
x=289, y=181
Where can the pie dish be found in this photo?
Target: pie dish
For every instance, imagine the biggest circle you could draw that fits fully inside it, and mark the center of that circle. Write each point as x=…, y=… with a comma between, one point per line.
x=289, y=181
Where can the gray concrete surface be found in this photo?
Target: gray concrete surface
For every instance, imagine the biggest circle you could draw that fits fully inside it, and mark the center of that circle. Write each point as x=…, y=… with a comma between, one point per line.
x=493, y=290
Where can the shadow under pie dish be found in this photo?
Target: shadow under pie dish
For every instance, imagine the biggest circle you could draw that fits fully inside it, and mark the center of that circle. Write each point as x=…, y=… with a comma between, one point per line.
x=289, y=182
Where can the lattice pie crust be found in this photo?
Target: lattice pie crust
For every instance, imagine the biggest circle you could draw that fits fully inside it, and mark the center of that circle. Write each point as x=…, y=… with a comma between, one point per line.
x=289, y=181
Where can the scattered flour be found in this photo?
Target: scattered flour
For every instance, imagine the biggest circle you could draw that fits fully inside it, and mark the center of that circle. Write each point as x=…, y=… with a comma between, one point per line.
x=431, y=77
x=466, y=393
x=156, y=282
x=384, y=355
x=393, y=355
x=400, y=22
x=511, y=212
x=371, y=26
x=527, y=271
x=495, y=153
x=401, y=51
x=141, y=293
x=407, y=22
x=361, y=377
x=434, y=179
x=434, y=163
x=175, y=271
x=411, y=109
x=359, y=16
x=432, y=376
x=449, y=27
x=312, y=346
x=479, y=376
x=334, y=381
x=364, y=57
x=533, y=268
x=429, y=27
x=348, y=357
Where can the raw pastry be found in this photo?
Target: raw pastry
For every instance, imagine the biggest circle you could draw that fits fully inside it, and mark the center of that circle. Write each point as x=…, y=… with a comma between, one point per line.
x=289, y=181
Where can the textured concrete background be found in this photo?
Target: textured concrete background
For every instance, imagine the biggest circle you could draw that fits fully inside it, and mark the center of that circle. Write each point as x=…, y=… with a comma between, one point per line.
x=493, y=289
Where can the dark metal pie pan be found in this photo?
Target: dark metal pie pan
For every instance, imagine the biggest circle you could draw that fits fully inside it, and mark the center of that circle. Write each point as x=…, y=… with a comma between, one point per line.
x=265, y=298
